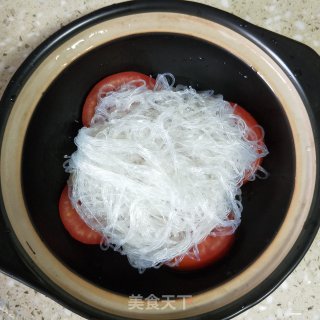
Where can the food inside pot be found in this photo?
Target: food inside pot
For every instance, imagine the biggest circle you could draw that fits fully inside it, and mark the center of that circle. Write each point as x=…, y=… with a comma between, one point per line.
x=158, y=172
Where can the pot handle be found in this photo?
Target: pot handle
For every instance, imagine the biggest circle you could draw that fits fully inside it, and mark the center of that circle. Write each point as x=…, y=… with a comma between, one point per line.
x=300, y=63
x=12, y=265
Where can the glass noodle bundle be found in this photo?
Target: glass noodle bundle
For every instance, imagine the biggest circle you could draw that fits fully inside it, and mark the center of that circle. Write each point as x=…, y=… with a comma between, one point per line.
x=159, y=170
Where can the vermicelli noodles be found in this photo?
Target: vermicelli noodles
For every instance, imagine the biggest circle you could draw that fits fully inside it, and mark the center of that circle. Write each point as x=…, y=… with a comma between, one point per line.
x=158, y=170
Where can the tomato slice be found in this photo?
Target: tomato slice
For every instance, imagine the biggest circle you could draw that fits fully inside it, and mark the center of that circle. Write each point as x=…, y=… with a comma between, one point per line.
x=254, y=126
x=71, y=220
x=110, y=83
x=212, y=249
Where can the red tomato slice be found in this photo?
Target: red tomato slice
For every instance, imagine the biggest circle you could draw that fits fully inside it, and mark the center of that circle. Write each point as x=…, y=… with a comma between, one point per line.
x=113, y=82
x=212, y=249
x=253, y=125
x=71, y=220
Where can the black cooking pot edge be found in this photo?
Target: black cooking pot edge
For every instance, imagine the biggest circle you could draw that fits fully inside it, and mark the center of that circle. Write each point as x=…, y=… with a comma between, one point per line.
x=299, y=62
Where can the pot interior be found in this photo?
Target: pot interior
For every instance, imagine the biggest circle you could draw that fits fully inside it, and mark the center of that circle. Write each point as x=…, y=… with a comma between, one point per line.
x=194, y=62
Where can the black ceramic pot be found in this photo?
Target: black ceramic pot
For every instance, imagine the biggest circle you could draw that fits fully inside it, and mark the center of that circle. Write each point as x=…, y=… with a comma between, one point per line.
x=273, y=77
